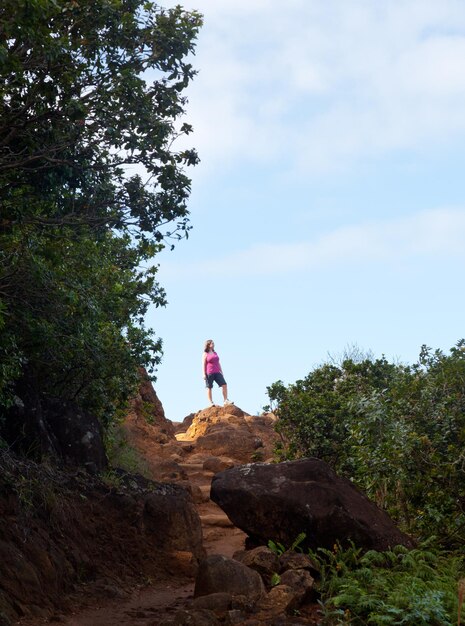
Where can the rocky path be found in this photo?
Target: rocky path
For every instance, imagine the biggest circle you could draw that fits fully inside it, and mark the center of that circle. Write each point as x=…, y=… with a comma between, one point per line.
x=222, y=436
x=220, y=536
x=148, y=606
x=107, y=526
x=152, y=604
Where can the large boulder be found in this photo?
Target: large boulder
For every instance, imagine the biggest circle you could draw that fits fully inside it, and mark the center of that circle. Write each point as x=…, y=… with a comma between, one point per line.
x=77, y=434
x=280, y=501
x=52, y=428
x=218, y=574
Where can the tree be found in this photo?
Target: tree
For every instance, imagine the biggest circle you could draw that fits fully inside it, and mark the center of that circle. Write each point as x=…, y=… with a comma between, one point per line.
x=91, y=189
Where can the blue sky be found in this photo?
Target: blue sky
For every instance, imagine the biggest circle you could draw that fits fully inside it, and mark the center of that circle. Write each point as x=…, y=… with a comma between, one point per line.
x=328, y=209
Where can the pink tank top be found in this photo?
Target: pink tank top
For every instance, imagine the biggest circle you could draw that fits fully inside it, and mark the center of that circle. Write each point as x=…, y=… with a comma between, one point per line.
x=213, y=363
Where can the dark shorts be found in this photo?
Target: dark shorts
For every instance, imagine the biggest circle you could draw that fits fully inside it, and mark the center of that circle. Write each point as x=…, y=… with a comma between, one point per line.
x=218, y=378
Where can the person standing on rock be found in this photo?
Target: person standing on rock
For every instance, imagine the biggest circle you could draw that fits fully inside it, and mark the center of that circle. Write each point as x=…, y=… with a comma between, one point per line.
x=212, y=372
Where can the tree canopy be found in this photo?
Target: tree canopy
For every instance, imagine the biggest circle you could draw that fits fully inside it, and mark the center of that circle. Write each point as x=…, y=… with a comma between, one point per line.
x=91, y=189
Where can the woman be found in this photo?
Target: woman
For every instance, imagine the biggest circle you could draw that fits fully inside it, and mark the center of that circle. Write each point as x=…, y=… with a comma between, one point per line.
x=212, y=372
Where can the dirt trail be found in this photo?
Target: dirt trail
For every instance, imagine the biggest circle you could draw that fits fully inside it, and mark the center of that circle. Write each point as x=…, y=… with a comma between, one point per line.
x=220, y=536
x=146, y=606
x=150, y=605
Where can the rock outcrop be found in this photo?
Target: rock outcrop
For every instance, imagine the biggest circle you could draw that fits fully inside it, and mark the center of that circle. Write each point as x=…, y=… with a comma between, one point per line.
x=280, y=501
x=230, y=432
x=77, y=435
x=58, y=430
x=147, y=407
x=146, y=431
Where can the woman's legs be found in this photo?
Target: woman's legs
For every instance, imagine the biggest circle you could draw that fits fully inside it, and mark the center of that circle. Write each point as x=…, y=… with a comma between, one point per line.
x=224, y=389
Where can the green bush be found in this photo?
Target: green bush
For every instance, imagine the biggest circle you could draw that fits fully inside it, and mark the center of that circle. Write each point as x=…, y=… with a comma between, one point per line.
x=397, y=587
x=397, y=431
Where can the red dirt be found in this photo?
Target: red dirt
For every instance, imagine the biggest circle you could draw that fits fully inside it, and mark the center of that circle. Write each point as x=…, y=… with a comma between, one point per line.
x=102, y=604
x=95, y=604
x=148, y=606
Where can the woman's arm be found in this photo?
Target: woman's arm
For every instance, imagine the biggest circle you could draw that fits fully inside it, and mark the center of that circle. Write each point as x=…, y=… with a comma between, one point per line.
x=204, y=365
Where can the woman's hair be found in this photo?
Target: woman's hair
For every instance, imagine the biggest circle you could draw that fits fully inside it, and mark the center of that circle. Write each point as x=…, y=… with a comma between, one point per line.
x=207, y=345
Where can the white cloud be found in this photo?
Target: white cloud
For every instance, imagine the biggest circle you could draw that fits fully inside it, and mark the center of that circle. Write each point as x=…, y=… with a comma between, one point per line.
x=321, y=84
x=434, y=235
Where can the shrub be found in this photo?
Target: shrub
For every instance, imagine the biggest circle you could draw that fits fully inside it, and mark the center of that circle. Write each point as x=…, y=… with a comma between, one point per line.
x=396, y=587
x=397, y=431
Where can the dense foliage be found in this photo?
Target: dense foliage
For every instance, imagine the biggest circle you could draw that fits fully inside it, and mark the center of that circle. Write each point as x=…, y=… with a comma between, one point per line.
x=398, y=431
x=91, y=188
x=397, y=587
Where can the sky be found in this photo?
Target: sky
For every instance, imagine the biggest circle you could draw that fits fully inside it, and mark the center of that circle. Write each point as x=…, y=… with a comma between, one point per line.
x=328, y=209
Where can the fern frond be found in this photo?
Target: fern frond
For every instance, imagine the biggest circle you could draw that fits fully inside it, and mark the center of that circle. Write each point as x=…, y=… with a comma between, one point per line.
x=298, y=540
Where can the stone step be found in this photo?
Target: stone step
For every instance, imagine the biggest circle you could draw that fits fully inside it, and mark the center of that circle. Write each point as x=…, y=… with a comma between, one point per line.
x=216, y=519
x=191, y=466
x=199, y=478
